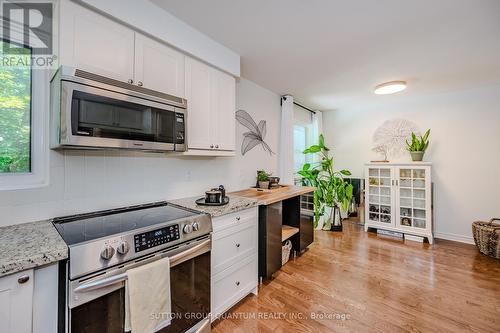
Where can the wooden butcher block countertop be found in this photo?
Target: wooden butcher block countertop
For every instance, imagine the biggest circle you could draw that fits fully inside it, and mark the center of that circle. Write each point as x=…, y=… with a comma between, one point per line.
x=270, y=197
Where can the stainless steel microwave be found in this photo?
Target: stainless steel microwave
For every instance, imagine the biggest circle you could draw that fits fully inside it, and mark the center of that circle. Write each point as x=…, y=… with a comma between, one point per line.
x=90, y=111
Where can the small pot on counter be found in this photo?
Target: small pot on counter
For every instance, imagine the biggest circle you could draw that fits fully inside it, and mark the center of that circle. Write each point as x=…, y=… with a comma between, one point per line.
x=213, y=196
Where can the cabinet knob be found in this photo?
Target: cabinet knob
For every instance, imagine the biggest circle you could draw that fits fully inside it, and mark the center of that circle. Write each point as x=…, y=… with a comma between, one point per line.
x=211, y=146
x=237, y=244
x=237, y=283
x=216, y=146
x=139, y=83
x=238, y=218
x=23, y=279
x=130, y=81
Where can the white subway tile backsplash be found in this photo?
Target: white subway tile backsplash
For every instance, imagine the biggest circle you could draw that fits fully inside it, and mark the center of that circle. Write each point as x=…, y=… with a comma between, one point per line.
x=74, y=175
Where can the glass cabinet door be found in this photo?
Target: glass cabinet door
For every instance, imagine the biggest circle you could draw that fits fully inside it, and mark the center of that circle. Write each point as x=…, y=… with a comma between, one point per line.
x=380, y=195
x=412, y=198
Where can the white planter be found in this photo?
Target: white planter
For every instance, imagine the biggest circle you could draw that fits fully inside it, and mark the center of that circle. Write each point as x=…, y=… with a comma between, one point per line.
x=320, y=223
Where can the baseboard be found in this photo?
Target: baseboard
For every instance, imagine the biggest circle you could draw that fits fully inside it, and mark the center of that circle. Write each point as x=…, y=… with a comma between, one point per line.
x=454, y=237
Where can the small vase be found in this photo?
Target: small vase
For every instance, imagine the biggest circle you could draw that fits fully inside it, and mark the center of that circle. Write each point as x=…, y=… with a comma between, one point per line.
x=264, y=184
x=417, y=156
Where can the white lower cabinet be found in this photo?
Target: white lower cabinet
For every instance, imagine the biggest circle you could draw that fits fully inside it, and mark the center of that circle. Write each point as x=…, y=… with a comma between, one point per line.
x=234, y=259
x=29, y=301
x=16, y=302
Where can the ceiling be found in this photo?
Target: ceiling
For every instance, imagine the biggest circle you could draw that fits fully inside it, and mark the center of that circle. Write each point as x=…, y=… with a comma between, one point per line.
x=329, y=54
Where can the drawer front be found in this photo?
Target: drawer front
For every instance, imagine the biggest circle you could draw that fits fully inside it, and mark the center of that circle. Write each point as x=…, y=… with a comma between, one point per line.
x=227, y=221
x=230, y=286
x=233, y=244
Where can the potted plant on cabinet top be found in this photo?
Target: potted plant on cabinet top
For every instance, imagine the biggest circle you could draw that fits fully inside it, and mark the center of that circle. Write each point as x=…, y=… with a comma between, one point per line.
x=263, y=179
x=332, y=191
x=418, y=146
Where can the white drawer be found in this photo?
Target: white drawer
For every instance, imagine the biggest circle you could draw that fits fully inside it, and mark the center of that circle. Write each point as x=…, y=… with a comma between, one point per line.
x=233, y=244
x=229, y=220
x=230, y=286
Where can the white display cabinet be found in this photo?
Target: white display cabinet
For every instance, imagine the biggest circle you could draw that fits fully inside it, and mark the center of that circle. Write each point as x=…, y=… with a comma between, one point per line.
x=399, y=198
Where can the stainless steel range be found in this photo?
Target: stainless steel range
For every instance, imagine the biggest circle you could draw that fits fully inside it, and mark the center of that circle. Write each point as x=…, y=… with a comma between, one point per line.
x=104, y=245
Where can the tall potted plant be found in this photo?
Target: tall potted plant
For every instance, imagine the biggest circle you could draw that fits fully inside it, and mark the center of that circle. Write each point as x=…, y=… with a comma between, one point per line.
x=332, y=191
x=418, y=146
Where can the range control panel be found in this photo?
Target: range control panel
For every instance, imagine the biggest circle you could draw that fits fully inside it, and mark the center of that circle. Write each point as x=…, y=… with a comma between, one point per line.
x=157, y=237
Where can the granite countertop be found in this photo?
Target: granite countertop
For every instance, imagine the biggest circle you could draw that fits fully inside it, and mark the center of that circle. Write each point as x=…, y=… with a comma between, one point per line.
x=235, y=204
x=29, y=245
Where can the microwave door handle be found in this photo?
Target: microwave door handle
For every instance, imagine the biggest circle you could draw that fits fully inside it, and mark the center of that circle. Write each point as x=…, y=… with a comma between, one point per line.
x=175, y=260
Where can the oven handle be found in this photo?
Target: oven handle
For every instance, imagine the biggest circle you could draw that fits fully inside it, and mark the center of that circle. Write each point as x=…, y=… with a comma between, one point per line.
x=175, y=260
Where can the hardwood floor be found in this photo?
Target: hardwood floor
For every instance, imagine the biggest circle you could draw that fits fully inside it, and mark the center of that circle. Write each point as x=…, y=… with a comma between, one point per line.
x=378, y=285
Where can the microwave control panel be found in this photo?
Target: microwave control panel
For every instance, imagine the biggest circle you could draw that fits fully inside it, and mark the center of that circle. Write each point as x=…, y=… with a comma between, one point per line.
x=180, y=128
x=150, y=239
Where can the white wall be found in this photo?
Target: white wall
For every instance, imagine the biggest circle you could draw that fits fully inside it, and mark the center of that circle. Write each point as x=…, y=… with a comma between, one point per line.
x=86, y=181
x=464, y=150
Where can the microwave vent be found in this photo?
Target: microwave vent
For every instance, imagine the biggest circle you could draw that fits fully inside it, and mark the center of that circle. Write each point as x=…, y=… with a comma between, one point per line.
x=120, y=84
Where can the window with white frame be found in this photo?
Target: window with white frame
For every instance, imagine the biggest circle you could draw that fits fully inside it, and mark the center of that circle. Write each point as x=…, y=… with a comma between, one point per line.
x=302, y=137
x=23, y=109
x=300, y=143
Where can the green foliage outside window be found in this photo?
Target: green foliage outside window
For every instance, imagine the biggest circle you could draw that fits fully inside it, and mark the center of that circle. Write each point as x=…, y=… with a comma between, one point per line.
x=15, y=116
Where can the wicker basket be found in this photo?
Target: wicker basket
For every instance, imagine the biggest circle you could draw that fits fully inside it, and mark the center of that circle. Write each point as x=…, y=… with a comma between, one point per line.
x=487, y=237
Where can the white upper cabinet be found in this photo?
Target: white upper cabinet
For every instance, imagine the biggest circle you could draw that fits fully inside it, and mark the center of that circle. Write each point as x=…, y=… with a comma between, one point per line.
x=223, y=126
x=211, y=108
x=16, y=299
x=94, y=43
x=198, y=88
x=158, y=67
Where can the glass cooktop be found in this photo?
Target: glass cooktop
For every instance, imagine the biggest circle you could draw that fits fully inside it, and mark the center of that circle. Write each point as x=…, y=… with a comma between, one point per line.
x=85, y=227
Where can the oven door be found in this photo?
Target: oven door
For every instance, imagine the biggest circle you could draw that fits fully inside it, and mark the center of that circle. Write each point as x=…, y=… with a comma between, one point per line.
x=92, y=117
x=97, y=303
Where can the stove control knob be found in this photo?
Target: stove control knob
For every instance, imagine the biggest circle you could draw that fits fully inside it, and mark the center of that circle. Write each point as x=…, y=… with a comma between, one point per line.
x=196, y=226
x=107, y=253
x=123, y=248
x=188, y=228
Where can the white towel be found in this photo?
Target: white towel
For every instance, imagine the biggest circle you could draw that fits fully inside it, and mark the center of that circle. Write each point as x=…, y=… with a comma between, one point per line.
x=147, y=297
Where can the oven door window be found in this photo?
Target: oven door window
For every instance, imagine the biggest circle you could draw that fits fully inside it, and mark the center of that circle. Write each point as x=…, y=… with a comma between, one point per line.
x=99, y=116
x=190, y=299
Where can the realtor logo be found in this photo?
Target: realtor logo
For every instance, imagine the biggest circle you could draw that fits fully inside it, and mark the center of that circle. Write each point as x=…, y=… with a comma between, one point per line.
x=27, y=24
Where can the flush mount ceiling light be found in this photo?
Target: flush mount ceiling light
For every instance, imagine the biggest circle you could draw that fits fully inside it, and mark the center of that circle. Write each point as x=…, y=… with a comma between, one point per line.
x=390, y=87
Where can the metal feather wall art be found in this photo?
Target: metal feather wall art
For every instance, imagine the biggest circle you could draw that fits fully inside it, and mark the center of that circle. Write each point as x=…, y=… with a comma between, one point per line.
x=390, y=138
x=255, y=136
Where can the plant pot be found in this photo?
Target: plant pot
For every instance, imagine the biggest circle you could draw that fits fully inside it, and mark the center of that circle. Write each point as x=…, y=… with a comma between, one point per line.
x=417, y=156
x=337, y=227
x=321, y=222
x=264, y=184
x=333, y=220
